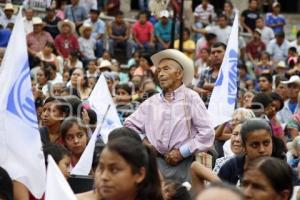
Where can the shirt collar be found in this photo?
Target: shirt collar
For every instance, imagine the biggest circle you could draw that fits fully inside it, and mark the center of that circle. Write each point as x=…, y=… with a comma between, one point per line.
x=177, y=94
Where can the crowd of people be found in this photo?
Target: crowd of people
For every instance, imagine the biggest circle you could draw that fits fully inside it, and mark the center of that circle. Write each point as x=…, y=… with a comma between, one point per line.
x=161, y=96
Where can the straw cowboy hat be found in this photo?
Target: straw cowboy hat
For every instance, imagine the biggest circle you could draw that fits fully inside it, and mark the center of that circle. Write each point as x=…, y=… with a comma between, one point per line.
x=9, y=6
x=293, y=79
x=66, y=22
x=105, y=64
x=37, y=21
x=84, y=27
x=185, y=62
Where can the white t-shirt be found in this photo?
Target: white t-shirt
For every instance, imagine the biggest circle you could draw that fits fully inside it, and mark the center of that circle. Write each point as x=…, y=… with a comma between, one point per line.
x=294, y=44
x=267, y=35
x=87, y=47
x=222, y=33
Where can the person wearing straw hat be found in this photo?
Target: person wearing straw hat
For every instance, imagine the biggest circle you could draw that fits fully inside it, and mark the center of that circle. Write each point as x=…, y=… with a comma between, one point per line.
x=37, y=39
x=66, y=41
x=175, y=122
x=291, y=105
x=8, y=16
x=87, y=44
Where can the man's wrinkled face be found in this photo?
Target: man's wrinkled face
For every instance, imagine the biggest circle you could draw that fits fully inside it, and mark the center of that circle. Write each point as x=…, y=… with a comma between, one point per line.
x=169, y=73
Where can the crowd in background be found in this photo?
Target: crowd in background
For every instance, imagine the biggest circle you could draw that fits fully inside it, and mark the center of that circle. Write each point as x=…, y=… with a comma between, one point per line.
x=70, y=45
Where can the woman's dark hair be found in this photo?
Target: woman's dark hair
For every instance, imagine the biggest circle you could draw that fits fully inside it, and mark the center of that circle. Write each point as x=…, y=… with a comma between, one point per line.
x=123, y=132
x=137, y=156
x=93, y=116
x=260, y=101
x=277, y=171
x=6, y=185
x=146, y=56
x=179, y=192
x=229, y=3
x=254, y=124
x=125, y=87
x=47, y=72
x=68, y=123
x=57, y=151
x=51, y=45
x=61, y=104
x=228, y=187
x=277, y=97
x=75, y=105
x=75, y=53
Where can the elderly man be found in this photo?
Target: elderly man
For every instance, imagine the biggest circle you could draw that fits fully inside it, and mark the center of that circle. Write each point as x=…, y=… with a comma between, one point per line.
x=174, y=123
x=8, y=16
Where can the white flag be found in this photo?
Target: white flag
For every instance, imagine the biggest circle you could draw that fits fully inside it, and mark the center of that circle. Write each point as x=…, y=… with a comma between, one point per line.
x=222, y=101
x=20, y=144
x=107, y=120
x=100, y=99
x=57, y=186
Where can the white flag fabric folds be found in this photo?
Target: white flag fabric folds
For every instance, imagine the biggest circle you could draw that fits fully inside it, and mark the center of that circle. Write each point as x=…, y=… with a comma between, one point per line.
x=57, y=186
x=107, y=120
x=222, y=101
x=20, y=144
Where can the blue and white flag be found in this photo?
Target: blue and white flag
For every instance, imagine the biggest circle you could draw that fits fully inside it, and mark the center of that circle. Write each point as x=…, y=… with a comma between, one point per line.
x=57, y=186
x=20, y=143
x=107, y=119
x=224, y=96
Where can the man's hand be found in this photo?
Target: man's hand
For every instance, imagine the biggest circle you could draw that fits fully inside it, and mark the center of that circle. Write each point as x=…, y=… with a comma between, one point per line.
x=173, y=157
x=148, y=144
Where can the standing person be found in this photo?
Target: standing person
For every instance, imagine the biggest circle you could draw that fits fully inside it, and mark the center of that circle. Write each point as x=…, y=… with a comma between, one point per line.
x=210, y=75
x=174, y=123
x=98, y=31
x=51, y=22
x=119, y=33
x=274, y=20
x=249, y=16
x=76, y=13
x=267, y=33
x=143, y=34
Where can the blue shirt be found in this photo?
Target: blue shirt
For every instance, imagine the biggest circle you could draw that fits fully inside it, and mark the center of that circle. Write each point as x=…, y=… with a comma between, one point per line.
x=163, y=31
x=98, y=27
x=272, y=20
x=292, y=106
x=4, y=37
x=75, y=13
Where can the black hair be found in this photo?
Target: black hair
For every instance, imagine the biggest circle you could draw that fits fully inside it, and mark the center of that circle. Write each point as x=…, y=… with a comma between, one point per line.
x=179, y=192
x=146, y=56
x=230, y=3
x=61, y=104
x=119, y=13
x=228, y=187
x=219, y=44
x=143, y=12
x=265, y=53
x=125, y=87
x=267, y=76
x=278, y=173
x=75, y=105
x=277, y=97
x=298, y=33
x=293, y=49
x=280, y=34
x=47, y=72
x=222, y=16
x=93, y=10
x=254, y=124
x=57, y=151
x=210, y=36
x=259, y=103
x=68, y=123
x=187, y=30
x=75, y=53
x=6, y=185
x=52, y=46
x=50, y=65
x=123, y=132
x=93, y=116
x=137, y=156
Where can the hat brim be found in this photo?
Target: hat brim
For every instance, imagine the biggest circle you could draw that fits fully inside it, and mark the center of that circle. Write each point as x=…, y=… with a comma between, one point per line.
x=83, y=28
x=69, y=23
x=185, y=62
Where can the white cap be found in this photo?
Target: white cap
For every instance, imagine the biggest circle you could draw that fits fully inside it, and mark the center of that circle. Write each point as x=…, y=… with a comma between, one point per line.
x=293, y=79
x=164, y=13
